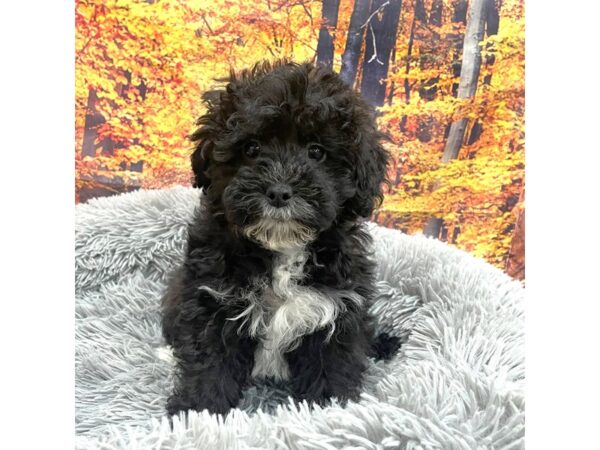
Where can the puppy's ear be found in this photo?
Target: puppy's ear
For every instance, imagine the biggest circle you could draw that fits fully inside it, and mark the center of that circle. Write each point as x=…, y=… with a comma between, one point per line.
x=210, y=126
x=369, y=173
x=200, y=163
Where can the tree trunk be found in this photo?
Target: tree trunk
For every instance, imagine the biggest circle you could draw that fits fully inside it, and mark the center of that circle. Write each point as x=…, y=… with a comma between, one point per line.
x=92, y=120
x=393, y=85
x=421, y=16
x=381, y=38
x=428, y=89
x=492, y=22
x=469, y=73
x=515, y=262
x=433, y=227
x=325, y=44
x=420, y=13
x=459, y=16
x=411, y=41
x=435, y=16
x=354, y=41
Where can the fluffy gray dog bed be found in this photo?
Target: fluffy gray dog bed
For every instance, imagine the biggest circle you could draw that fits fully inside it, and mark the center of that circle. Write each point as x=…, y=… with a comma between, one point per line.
x=456, y=383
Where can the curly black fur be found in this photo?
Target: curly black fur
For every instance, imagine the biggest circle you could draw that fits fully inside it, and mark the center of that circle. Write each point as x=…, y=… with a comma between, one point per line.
x=259, y=131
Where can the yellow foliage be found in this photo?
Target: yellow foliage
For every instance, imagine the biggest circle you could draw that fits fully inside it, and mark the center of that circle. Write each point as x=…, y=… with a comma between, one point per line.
x=141, y=66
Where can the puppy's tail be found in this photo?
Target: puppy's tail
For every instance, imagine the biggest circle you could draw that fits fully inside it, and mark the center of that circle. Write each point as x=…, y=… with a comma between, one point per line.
x=385, y=346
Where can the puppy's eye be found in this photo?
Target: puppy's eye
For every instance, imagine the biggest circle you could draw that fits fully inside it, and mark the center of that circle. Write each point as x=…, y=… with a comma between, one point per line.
x=315, y=152
x=252, y=149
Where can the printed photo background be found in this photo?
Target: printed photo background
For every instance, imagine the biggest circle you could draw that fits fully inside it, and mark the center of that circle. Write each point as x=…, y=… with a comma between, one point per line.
x=447, y=78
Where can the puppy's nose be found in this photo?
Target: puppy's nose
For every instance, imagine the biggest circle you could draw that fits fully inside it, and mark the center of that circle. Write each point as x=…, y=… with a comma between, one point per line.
x=279, y=194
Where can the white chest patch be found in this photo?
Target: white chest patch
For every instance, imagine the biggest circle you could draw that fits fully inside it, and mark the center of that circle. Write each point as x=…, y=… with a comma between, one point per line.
x=284, y=311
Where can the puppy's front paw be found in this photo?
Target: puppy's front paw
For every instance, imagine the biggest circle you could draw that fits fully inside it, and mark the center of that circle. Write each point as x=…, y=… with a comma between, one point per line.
x=178, y=403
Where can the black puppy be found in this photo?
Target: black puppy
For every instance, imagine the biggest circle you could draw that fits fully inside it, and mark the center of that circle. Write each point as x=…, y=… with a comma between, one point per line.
x=277, y=276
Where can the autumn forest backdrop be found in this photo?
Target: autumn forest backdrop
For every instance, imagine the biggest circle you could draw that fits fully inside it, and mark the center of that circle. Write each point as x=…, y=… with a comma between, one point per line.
x=446, y=76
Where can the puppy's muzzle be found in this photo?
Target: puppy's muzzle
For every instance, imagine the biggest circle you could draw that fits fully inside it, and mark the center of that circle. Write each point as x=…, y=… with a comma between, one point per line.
x=279, y=195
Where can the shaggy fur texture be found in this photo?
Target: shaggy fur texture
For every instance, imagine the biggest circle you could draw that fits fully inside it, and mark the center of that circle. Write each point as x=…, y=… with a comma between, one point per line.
x=277, y=275
x=457, y=381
